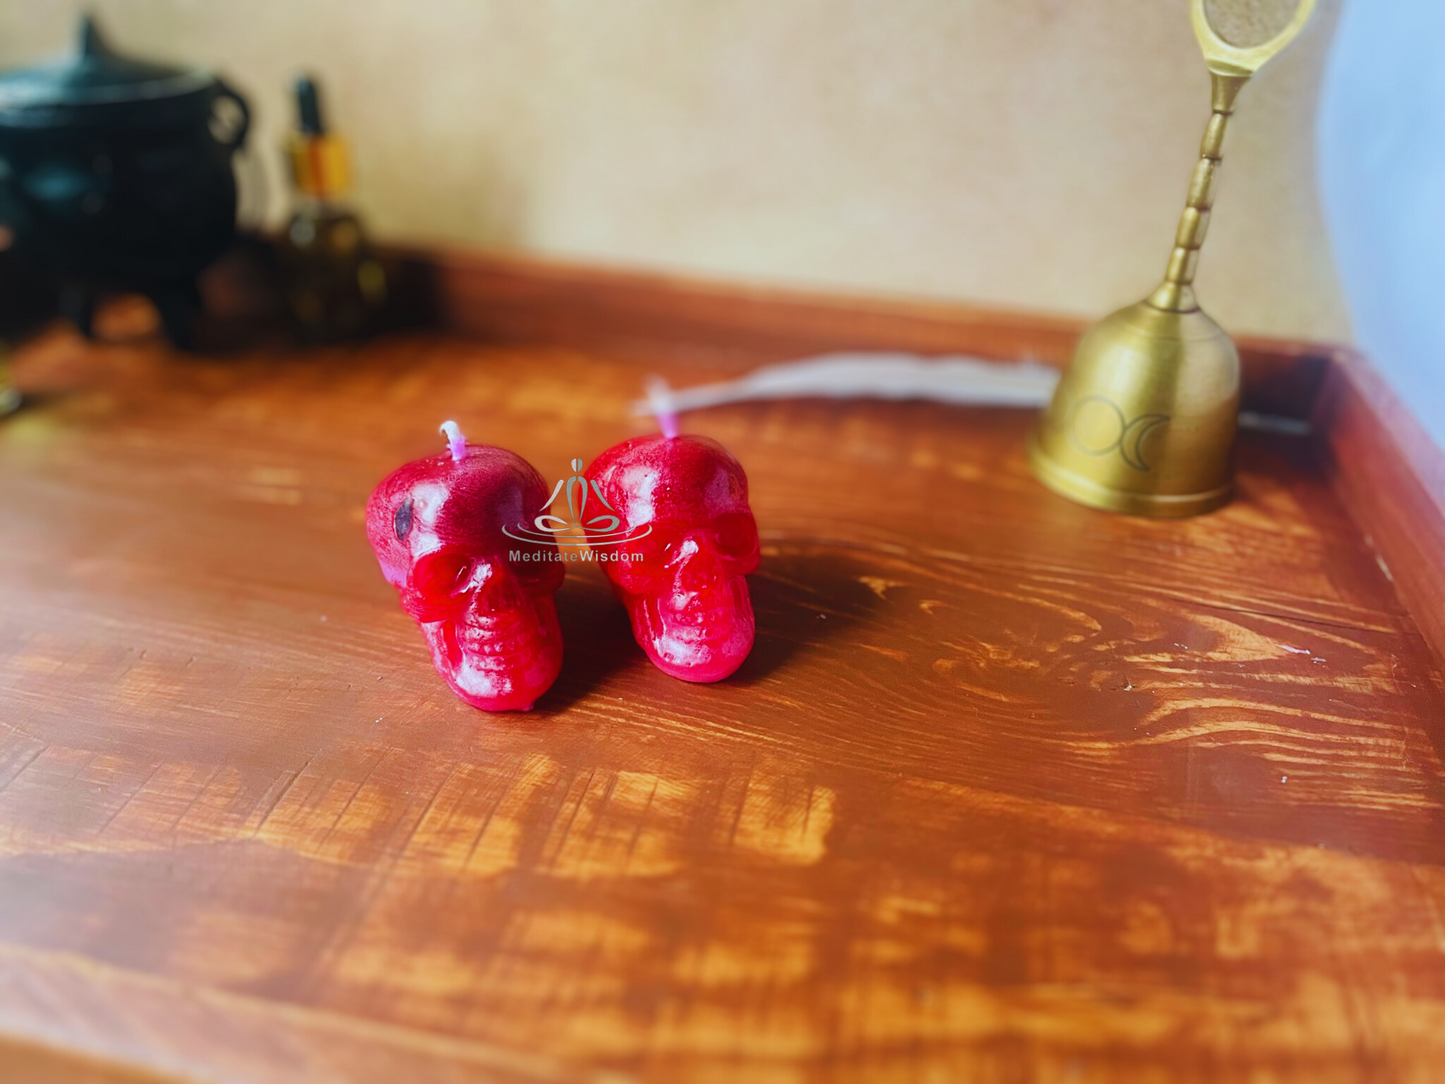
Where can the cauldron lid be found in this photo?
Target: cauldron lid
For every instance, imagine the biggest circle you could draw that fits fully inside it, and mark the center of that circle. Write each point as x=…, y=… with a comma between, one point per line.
x=96, y=75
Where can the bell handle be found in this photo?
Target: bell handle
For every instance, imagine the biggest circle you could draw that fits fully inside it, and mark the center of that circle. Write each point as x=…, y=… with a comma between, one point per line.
x=1230, y=67
x=1176, y=292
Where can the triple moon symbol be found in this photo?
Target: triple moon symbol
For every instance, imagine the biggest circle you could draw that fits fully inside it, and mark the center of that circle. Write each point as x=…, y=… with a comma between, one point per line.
x=1097, y=427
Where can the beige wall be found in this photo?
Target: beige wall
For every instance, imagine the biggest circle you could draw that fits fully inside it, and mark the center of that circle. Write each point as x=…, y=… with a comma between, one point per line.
x=1028, y=153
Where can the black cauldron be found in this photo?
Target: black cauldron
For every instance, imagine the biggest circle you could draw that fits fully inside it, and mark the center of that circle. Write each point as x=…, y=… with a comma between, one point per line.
x=115, y=174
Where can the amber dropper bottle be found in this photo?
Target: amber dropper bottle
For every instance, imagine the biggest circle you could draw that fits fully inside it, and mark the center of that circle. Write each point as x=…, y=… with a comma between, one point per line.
x=334, y=286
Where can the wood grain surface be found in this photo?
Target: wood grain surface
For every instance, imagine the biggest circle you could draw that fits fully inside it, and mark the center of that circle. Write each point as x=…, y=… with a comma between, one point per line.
x=1009, y=789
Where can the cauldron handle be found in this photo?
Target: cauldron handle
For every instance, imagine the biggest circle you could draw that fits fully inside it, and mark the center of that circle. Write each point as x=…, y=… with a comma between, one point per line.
x=239, y=136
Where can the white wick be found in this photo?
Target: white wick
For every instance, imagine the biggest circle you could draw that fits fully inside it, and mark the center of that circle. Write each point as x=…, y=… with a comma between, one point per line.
x=456, y=443
x=659, y=394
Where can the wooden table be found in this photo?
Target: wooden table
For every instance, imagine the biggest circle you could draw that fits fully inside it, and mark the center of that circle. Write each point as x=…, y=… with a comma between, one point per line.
x=1008, y=789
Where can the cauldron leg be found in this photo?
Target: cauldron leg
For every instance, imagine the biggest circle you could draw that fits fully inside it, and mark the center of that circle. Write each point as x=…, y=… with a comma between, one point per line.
x=77, y=304
x=179, y=303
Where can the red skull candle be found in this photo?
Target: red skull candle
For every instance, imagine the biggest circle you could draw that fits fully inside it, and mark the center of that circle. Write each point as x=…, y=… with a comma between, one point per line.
x=437, y=528
x=687, y=499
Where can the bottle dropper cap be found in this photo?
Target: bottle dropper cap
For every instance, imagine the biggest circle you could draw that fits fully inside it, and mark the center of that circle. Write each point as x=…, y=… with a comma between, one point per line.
x=319, y=165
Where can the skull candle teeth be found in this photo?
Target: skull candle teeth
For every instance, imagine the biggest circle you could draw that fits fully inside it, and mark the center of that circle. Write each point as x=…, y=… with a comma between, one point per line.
x=684, y=501
x=437, y=528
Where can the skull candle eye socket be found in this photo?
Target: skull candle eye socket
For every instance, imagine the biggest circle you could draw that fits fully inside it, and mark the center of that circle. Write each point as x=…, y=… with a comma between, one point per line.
x=737, y=537
x=401, y=523
x=438, y=576
x=657, y=546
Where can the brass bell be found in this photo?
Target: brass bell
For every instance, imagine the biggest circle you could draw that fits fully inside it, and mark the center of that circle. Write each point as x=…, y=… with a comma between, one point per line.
x=1143, y=418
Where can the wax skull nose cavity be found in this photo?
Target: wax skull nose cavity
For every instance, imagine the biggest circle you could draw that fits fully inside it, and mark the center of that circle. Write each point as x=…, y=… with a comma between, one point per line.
x=496, y=588
x=698, y=565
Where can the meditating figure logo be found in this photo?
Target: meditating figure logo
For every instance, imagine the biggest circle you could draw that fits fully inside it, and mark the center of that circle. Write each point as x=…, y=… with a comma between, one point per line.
x=602, y=528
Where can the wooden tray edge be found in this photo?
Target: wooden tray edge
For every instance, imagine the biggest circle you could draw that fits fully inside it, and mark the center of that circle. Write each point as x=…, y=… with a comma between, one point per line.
x=1391, y=478
x=516, y=298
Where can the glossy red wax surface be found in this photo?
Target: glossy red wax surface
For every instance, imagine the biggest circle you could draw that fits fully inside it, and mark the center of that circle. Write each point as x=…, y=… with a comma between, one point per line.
x=684, y=503
x=436, y=527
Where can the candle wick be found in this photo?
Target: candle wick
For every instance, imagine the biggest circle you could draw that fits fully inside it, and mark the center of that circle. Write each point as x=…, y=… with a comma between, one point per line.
x=456, y=443
x=664, y=407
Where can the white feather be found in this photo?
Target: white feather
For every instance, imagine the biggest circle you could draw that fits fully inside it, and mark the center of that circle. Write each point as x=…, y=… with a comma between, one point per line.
x=878, y=376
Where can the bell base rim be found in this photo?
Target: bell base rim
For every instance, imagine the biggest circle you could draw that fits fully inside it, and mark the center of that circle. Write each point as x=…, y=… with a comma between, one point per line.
x=1128, y=502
